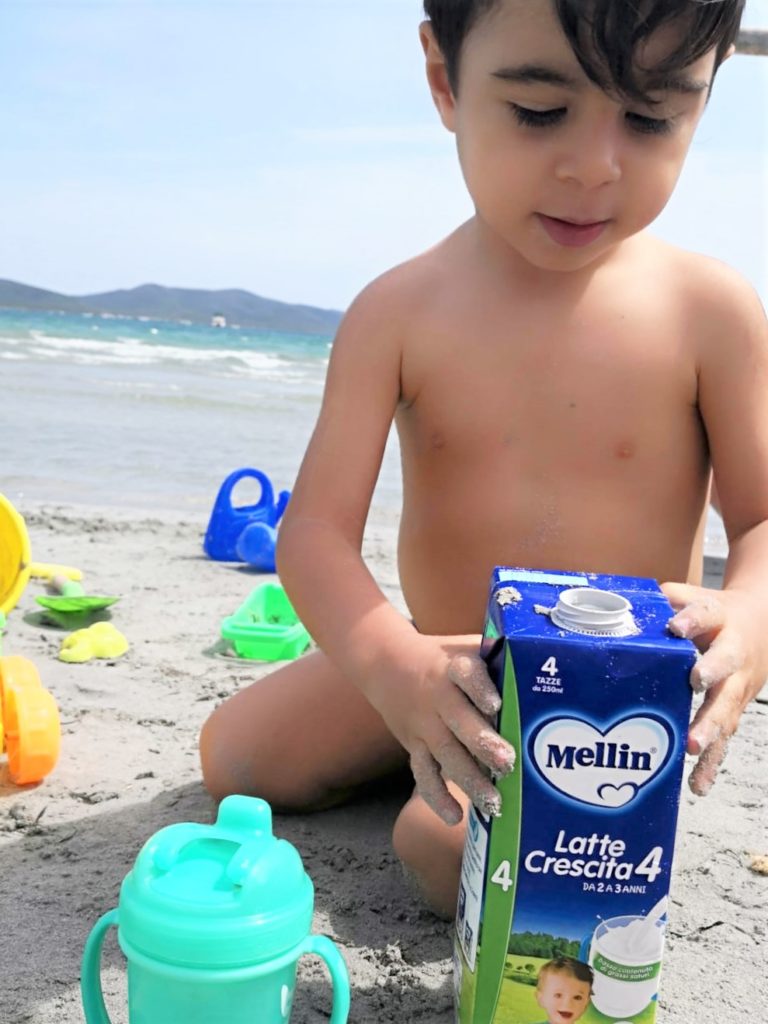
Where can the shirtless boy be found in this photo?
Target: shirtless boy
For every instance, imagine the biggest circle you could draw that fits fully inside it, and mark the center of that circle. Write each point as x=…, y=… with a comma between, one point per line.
x=563, y=385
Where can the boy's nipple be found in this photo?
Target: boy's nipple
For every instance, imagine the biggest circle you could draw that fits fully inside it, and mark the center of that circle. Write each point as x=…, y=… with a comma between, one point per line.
x=625, y=450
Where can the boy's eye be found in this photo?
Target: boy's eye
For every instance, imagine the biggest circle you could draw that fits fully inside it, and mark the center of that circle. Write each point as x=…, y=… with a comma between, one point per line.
x=537, y=118
x=648, y=125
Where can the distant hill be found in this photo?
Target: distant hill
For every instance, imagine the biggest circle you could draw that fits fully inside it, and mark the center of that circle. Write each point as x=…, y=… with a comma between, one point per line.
x=160, y=303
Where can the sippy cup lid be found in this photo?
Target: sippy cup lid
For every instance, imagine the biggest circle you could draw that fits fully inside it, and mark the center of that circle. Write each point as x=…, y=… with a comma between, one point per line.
x=223, y=895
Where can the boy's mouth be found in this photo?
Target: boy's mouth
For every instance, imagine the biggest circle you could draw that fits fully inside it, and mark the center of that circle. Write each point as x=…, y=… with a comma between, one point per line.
x=571, y=233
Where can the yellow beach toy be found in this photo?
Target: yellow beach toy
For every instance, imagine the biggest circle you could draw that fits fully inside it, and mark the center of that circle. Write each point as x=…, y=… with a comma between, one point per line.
x=16, y=565
x=101, y=640
x=15, y=555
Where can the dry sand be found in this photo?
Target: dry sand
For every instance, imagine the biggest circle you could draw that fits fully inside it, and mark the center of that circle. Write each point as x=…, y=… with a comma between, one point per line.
x=129, y=767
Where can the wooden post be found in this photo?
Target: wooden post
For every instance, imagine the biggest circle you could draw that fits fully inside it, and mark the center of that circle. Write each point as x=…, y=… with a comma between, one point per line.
x=753, y=41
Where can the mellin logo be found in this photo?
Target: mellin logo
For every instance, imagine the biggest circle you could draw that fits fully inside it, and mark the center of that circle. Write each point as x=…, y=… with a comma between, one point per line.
x=604, y=768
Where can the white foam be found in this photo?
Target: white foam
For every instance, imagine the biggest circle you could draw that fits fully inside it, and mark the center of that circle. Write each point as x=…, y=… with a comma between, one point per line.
x=131, y=351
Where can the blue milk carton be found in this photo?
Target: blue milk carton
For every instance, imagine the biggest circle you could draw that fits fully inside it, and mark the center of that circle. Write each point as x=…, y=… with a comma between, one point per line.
x=562, y=900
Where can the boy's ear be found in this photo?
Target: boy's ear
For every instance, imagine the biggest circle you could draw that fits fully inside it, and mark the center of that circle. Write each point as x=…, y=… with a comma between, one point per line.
x=437, y=76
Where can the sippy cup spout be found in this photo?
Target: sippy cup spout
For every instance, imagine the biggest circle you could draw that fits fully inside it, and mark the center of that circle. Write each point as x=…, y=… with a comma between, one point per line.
x=243, y=814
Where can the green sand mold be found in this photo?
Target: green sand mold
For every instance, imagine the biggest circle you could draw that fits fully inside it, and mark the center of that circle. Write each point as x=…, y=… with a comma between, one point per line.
x=265, y=627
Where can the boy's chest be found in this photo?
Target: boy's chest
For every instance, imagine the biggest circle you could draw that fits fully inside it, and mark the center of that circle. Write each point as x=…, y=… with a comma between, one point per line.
x=617, y=389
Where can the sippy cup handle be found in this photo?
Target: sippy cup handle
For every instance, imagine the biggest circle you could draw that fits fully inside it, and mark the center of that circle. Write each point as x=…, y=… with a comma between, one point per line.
x=90, y=975
x=321, y=946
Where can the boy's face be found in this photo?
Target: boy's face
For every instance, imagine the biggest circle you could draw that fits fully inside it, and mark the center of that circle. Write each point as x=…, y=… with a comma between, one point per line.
x=559, y=170
x=563, y=997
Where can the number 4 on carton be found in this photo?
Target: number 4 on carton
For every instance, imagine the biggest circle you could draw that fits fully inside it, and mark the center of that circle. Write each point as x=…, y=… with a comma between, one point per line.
x=503, y=876
x=650, y=865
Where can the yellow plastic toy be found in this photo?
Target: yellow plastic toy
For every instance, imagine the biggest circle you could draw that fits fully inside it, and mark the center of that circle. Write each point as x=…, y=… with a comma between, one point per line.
x=101, y=640
x=15, y=555
x=16, y=565
x=30, y=732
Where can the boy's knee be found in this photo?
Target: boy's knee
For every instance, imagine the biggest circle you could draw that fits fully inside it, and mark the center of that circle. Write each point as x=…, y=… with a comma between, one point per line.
x=406, y=840
x=430, y=852
x=256, y=768
x=216, y=765
x=422, y=841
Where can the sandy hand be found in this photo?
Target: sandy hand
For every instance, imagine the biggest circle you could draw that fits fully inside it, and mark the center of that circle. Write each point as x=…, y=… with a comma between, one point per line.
x=726, y=627
x=438, y=708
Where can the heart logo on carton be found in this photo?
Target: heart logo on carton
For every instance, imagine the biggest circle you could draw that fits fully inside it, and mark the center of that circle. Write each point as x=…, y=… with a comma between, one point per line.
x=601, y=767
x=617, y=796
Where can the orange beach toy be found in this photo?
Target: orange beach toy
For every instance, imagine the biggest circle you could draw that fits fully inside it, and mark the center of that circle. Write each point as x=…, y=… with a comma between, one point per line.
x=30, y=731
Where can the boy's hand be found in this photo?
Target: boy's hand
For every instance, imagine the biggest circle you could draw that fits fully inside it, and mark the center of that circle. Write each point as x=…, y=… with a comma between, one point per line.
x=727, y=627
x=438, y=708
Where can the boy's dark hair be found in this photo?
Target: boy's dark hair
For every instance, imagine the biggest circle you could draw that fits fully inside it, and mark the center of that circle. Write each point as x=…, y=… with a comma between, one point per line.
x=567, y=965
x=604, y=34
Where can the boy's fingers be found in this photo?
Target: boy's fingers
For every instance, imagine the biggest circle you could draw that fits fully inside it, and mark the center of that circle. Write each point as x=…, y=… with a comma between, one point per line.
x=681, y=594
x=724, y=658
x=699, y=619
x=469, y=673
x=462, y=769
x=706, y=768
x=719, y=714
x=431, y=785
x=712, y=727
x=475, y=734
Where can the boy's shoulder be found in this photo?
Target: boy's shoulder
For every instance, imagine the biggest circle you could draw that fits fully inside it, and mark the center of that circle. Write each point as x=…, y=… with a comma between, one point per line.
x=703, y=284
x=391, y=310
x=407, y=288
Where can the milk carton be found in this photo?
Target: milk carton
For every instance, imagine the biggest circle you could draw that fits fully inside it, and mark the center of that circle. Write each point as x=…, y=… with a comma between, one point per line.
x=562, y=900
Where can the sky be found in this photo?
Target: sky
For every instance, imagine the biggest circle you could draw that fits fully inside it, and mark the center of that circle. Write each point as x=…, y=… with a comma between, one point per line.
x=288, y=147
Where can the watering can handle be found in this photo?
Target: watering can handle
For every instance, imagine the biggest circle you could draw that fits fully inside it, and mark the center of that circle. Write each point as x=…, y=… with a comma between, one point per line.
x=90, y=975
x=267, y=498
x=321, y=946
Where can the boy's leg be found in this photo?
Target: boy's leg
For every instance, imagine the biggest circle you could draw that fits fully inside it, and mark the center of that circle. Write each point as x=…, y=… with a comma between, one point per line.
x=431, y=851
x=301, y=738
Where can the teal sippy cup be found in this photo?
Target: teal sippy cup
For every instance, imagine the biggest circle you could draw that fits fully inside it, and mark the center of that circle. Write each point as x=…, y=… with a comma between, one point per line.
x=212, y=920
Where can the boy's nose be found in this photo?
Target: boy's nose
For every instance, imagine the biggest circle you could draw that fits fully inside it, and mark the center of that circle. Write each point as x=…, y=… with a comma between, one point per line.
x=591, y=162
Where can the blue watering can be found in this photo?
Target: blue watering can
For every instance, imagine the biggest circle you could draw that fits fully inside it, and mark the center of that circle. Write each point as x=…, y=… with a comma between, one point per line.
x=245, y=533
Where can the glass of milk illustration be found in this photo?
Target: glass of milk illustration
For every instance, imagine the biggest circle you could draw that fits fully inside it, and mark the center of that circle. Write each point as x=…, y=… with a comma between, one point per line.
x=625, y=955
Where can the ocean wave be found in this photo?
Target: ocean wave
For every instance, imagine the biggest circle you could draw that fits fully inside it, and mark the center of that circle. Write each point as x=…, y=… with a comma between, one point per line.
x=126, y=350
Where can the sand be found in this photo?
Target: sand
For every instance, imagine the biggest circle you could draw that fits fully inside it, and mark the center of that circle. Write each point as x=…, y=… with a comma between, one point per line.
x=129, y=766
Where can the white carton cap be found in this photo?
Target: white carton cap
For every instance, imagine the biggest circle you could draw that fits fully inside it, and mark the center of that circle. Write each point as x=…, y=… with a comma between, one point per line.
x=594, y=613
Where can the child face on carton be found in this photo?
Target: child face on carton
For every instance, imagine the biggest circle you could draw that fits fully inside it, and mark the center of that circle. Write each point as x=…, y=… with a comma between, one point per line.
x=563, y=996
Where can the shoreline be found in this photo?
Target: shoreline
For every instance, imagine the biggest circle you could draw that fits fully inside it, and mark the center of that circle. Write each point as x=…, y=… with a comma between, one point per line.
x=129, y=766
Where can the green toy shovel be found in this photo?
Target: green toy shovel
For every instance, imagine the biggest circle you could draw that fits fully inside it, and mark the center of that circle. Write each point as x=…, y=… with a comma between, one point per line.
x=72, y=608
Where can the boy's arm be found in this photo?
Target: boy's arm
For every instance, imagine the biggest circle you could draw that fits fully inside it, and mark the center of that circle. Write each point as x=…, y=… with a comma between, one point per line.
x=731, y=626
x=432, y=692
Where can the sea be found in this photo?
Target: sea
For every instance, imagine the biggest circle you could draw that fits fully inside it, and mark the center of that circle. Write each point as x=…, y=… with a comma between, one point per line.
x=151, y=415
x=147, y=414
